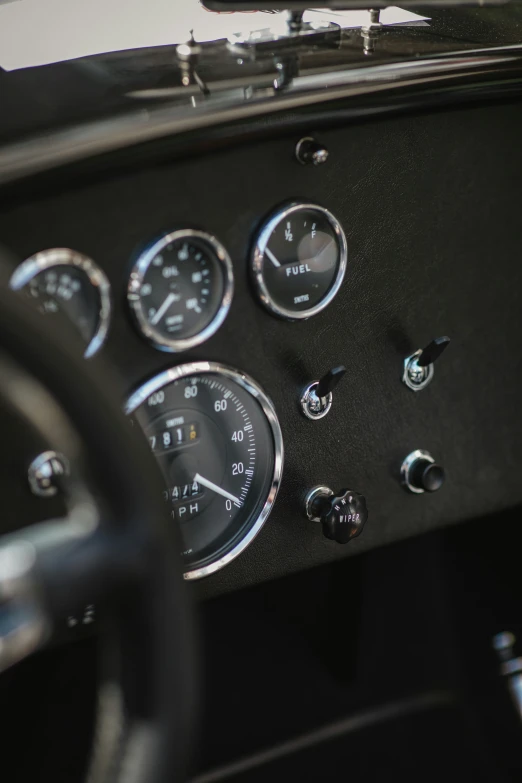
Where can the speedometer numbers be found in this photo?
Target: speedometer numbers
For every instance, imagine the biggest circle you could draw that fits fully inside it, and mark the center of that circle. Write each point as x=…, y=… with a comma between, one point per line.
x=180, y=289
x=299, y=261
x=218, y=442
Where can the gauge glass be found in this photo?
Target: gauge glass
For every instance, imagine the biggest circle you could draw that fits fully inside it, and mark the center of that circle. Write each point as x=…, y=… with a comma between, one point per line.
x=66, y=283
x=218, y=442
x=180, y=289
x=299, y=261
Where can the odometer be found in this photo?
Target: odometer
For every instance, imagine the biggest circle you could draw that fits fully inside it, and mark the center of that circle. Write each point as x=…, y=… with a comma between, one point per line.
x=218, y=442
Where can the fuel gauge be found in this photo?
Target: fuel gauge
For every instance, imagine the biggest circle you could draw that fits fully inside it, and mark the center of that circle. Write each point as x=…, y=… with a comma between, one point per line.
x=299, y=261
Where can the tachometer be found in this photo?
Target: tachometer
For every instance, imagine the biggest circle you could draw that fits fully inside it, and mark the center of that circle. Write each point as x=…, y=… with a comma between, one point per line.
x=180, y=289
x=299, y=260
x=61, y=280
x=218, y=442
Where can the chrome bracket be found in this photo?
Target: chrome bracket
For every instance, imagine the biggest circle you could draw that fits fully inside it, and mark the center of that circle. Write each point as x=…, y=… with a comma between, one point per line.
x=371, y=31
x=296, y=35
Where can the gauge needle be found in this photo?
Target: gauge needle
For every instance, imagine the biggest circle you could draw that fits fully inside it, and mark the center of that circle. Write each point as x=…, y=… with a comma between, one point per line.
x=272, y=257
x=163, y=309
x=210, y=485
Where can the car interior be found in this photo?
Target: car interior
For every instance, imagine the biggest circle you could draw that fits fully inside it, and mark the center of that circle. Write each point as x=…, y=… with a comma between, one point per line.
x=260, y=353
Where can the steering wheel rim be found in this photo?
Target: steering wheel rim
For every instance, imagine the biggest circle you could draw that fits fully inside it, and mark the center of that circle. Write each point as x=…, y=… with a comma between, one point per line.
x=128, y=561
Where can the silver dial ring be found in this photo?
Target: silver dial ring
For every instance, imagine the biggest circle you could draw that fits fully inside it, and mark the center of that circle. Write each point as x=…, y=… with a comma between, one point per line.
x=64, y=256
x=258, y=257
x=139, y=270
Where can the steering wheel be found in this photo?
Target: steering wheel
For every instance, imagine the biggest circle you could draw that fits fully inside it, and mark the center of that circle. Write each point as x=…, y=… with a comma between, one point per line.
x=116, y=547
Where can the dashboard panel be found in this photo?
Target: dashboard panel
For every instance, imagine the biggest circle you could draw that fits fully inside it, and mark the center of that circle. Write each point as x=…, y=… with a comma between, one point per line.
x=432, y=242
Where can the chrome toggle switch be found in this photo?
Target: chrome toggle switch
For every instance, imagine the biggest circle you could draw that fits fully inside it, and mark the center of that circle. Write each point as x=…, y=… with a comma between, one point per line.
x=316, y=400
x=418, y=368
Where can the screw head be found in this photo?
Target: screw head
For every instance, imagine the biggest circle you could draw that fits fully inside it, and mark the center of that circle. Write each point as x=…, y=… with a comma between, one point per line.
x=320, y=156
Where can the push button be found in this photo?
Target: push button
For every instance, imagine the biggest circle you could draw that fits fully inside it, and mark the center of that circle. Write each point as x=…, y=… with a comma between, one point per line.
x=420, y=473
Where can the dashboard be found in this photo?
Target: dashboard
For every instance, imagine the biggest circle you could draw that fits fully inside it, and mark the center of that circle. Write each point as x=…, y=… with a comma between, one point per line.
x=213, y=430
x=222, y=285
x=296, y=271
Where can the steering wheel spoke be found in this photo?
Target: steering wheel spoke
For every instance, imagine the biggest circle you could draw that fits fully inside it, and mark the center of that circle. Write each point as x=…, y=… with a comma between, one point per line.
x=116, y=548
x=24, y=625
x=46, y=571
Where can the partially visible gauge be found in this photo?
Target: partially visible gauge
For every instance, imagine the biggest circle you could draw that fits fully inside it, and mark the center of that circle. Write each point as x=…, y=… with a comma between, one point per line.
x=180, y=289
x=299, y=261
x=61, y=280
x=218, y=442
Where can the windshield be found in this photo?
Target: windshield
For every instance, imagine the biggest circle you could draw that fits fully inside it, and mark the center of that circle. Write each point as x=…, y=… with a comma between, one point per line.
x=39, y=32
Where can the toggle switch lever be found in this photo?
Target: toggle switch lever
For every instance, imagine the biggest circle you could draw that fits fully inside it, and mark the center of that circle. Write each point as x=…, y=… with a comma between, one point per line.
x=329, y=381
x=342, y=515
x=419, y=369
x=432, y=351
x=316, y=400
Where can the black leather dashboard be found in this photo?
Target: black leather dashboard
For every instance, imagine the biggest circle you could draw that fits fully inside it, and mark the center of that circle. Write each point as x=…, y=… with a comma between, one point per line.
x=434, y=236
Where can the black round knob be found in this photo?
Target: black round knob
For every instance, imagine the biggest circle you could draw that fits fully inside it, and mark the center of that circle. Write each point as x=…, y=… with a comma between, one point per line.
x=309, y=151
x=342, y=516
x=427, y=475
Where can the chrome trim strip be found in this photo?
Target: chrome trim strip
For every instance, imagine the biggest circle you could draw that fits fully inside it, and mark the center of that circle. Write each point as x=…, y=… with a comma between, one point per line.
x=246, y=382
x=42, y=153
x=259, y=253
x=139, y=270
x=64, y=256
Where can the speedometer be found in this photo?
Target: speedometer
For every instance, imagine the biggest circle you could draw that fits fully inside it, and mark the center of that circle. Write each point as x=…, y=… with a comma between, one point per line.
x=218, y=442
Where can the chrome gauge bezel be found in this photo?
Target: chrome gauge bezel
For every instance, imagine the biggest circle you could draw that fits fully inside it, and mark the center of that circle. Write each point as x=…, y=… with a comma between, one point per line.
x=64, y=256
x=259, y=252
x=246, y=382
x=139, y=270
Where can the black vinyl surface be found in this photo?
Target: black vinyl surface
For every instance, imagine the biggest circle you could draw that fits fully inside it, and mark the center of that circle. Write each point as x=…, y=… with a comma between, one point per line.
x=408, y=749
x=375, y=668
x=431, y=208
